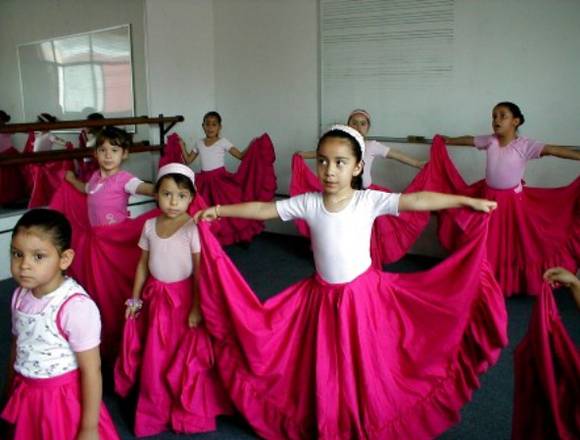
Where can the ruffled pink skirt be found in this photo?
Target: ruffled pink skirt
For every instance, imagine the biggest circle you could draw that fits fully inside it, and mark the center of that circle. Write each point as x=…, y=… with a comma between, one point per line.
x=392, y=356
x=51, y=409
x=530, y=231
x=547, y=377
x=173, y=364
x=391, y=237
x=255, y=180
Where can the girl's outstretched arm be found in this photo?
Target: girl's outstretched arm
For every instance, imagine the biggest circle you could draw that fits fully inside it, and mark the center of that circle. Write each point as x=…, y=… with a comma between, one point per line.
x=146, y=189
x=249, y=210
x=194, y=317
x=72, y=179
x=561, y=151
x=91, y=392
x=433, y=201
x=307, y=154
x=188, y=156
x=403, y=158
x=464, y=141
x=237, y=153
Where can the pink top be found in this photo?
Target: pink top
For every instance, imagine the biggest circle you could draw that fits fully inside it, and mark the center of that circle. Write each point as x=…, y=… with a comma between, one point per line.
x=79, y=318
x=170, y=259
x=505, y=166
x=372, y=149
x=5, y=141
x=212, y=157
x=108, y=197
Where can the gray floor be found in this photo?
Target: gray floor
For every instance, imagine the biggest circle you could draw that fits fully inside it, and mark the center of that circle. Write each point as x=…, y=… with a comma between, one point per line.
x=487, y=417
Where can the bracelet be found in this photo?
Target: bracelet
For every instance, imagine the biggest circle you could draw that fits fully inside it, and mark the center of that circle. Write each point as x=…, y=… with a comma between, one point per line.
x=217, y=211
x=134, y=303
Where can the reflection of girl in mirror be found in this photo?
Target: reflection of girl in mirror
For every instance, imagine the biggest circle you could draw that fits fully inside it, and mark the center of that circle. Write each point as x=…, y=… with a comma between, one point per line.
x=12, y=183
x=45, y=140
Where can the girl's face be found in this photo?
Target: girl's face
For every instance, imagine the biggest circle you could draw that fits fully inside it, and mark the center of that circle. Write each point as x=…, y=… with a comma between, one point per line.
x=336, y=165
x=360, y=123
x=36, y=263
x=503, y=121
x=172, y=199
x=110, y=157
x=211, y=127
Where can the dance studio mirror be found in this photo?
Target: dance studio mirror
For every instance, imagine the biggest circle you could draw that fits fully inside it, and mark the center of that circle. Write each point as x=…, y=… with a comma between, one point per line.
x=75, y=75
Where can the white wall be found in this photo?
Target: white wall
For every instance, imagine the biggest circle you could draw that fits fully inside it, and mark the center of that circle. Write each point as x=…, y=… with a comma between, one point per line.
x=180, y=61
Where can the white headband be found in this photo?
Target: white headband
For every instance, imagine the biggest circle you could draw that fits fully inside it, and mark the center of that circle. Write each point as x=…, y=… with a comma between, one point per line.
x=354, y=133
x=176, y=168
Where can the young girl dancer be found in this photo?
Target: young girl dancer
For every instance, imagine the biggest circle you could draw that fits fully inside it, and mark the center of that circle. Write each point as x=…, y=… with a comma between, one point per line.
x=105, y=239
x=534, y=228
x=392, y=236
x=166, y=284
x=254, y=180
x=353, y=352
x=55, y=369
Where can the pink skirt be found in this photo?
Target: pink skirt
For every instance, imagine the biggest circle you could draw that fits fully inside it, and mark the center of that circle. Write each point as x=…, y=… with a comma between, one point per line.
x=547, y=378
x=51, y=409
x=12, y=183
x=255, y=180
x=172, y=152
x=384, y=356
x=174, y=365
x=392, y=236
x=530, y=231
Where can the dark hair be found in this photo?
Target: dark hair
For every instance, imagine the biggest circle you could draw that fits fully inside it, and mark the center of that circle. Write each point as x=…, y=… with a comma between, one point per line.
x=514, y=110
x=213, y=114
x=115, y=136
x=356, y=182
x=46, y=117
x=180, y=180
x=4, y=117
x=52, y=222
x=95, y=117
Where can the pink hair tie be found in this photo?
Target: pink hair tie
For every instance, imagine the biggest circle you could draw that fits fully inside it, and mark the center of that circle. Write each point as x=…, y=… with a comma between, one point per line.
x=176, y=168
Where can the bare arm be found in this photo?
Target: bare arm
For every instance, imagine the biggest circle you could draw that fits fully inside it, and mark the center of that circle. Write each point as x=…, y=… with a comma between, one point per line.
x=557, y=276
x=195, y=313
x=72, y=179
x=141, y=274
x=561, y=151
x=464, y=141
x=91, y=392
x=249, y=210
x=433, y=201
x=237, y=153
x=403, y=158
x=188, y=156
x=146, y=189
x=307, y=154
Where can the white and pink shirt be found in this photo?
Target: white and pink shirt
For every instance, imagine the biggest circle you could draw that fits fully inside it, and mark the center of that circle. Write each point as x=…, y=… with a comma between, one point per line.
x=50, y=330
x=170, y=259
x=505, y=166
x=372, y=149
x=108, y=197
x=213, y=156
x=340, y=240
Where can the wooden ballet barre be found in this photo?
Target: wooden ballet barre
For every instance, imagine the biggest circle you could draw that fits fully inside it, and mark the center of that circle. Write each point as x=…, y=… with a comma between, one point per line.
x=80, y=123
x=77, y=153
